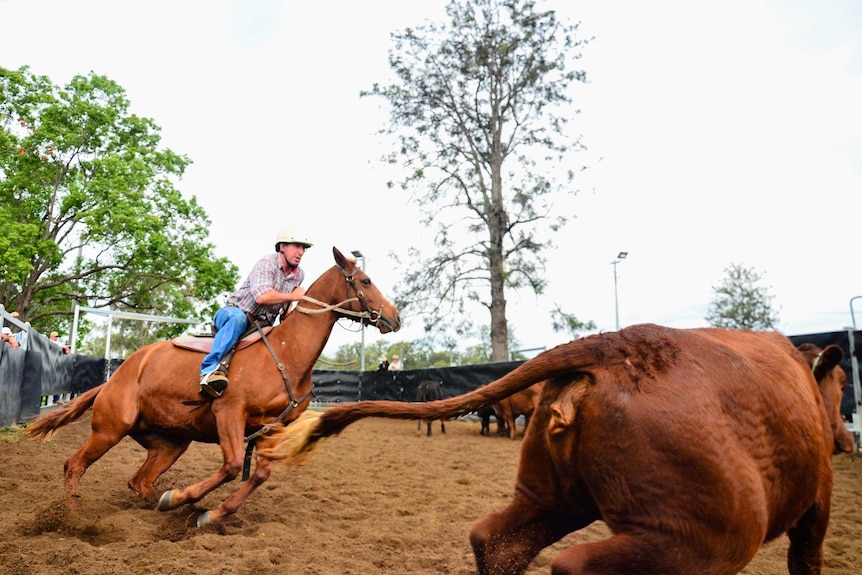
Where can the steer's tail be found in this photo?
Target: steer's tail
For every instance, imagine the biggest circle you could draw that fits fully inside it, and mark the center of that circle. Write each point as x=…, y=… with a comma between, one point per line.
x=295, y=443
x=45, y=425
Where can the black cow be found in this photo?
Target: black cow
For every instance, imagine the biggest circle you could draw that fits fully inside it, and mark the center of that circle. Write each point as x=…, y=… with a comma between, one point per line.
x=430, y=390
x=485, y=414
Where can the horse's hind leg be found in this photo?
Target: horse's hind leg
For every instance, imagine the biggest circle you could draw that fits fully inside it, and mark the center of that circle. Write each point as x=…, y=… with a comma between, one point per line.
x=161, y=454
x=76, y=465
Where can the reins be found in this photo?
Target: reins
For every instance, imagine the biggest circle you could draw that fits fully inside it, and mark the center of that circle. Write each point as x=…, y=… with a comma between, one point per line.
x=371, y=315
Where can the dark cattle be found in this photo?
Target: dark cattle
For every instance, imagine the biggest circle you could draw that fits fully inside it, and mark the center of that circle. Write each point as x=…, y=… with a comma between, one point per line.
x=694, y=447
x=430, y=390
x=519, y=404
x=485, y=414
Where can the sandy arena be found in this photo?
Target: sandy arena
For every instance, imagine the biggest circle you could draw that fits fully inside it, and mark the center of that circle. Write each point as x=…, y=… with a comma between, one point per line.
x=381, y=498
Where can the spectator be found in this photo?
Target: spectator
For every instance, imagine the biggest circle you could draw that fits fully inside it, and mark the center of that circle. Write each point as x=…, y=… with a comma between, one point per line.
x=395, y=365
x=55, y=337
x=384, y=364
x=9, y=338
x=20, y=335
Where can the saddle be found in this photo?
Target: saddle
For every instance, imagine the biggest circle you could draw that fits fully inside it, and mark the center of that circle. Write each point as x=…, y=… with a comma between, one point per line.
x=203, y=342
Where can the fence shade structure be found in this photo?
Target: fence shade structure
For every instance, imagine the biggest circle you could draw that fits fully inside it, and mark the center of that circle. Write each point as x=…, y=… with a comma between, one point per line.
x=42, y=370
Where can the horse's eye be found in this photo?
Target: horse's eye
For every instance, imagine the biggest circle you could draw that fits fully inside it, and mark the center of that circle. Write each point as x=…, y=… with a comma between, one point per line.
x=366, y=282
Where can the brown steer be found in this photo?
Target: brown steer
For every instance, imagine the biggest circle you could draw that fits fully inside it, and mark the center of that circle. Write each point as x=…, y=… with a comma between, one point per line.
x=523, y=403
x=694, y=447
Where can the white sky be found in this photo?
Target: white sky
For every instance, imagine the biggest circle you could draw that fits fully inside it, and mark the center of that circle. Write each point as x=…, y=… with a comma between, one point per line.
x=718, y=133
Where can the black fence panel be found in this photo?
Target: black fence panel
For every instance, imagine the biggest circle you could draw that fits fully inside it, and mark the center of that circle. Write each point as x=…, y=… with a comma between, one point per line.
x=31, y=387
x=50, y=373
x=56, y=365
x=335, y=386
x=11, y=377
x=346, y=386
x=88, y=372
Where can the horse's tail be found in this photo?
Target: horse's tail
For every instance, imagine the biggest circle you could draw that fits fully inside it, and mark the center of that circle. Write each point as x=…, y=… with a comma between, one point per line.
x=44, y=426
x=299, y=439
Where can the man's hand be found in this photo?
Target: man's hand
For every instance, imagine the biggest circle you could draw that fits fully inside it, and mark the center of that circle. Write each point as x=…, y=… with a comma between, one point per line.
x=297, y=293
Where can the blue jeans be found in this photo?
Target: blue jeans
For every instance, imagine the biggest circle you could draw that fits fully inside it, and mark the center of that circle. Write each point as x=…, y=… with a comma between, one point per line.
x=230, y=322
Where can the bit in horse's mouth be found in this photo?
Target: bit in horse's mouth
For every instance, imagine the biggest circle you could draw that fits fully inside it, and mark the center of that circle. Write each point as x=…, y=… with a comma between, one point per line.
x=389, y=326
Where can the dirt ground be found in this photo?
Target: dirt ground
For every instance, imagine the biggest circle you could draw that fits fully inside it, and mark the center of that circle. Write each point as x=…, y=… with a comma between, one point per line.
x=381, y=498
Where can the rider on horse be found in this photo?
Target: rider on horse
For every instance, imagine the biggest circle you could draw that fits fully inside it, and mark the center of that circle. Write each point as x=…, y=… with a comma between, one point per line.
x=267, y=292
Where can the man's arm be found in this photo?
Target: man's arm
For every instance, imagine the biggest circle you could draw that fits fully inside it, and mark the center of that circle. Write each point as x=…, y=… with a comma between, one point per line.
x=274, y=297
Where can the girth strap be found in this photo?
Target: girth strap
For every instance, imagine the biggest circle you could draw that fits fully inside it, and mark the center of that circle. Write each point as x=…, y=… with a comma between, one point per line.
x=291, y=404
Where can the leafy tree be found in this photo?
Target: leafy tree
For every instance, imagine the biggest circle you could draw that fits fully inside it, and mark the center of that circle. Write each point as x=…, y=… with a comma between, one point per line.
x=417, y=354
x=347, y=358
x=90, y=212
x=740, y=303
x=565, y=322
x=479, y=109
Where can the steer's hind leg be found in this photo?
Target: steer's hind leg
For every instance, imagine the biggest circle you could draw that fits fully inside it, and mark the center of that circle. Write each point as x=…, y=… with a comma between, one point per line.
x=505, y=542
x=805, y=554
x=655, y=552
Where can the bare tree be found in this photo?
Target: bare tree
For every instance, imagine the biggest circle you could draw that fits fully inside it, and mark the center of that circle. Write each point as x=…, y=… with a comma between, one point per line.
x=480, y=110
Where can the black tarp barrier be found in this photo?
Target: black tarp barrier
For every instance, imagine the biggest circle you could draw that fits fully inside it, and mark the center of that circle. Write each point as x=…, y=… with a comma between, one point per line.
x=347, y=386
x=31, y=386
x=11, y=378
x=72, y=373
x=56, y=365
x=88, y=372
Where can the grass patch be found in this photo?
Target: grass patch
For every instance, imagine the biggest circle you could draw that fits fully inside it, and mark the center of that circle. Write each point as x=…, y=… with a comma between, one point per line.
x=13, y=433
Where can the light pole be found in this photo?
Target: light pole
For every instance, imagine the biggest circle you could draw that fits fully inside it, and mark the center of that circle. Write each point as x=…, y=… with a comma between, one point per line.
x=620, y=257
x=358, y=255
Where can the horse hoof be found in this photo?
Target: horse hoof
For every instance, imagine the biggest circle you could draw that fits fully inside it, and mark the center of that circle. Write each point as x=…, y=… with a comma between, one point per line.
x=204, y=518
x=166, y=501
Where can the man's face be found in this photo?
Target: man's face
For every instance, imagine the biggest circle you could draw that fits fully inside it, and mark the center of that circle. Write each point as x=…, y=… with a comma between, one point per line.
x=293, y=253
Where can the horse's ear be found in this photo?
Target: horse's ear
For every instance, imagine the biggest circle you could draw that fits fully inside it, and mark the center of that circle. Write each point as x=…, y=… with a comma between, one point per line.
x=339, y=257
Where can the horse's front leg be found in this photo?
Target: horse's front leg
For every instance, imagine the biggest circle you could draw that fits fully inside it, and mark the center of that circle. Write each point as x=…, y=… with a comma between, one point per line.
x=231, y=425
x=262, y=471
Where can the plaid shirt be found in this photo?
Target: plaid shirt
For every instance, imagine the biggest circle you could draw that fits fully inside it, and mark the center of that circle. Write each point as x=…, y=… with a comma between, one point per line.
x=267, y=274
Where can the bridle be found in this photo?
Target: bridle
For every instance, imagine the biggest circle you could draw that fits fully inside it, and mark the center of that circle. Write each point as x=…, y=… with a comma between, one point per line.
x=365, y=313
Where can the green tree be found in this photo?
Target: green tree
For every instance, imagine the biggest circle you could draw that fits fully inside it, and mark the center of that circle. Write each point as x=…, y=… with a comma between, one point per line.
x=480, y=110
x=90, y=211
x=740, y=303
x=565, y=322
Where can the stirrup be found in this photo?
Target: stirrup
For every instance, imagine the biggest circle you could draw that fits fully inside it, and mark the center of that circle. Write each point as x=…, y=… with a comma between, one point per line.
x=213, y=385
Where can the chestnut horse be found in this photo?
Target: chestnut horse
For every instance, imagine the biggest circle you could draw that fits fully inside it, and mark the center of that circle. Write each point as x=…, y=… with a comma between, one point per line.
x=153, y=396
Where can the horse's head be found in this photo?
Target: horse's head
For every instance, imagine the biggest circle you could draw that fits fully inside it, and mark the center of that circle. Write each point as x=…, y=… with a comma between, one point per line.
x=348, y=291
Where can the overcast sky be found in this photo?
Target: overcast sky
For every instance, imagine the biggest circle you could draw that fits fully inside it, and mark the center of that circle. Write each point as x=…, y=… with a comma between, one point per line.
x=718, y=133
